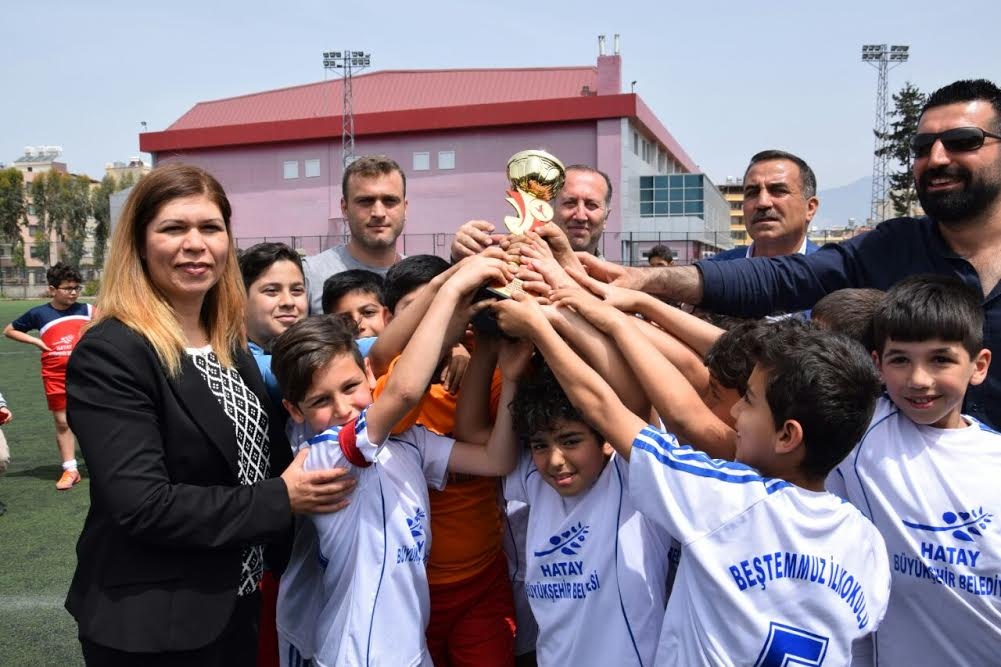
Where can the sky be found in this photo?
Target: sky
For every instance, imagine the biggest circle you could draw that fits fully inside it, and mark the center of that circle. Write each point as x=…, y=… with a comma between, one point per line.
x=726, y=78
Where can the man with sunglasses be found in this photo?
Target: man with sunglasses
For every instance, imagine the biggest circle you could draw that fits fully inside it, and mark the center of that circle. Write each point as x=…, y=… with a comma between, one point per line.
x=59, y=324
x=957, y=172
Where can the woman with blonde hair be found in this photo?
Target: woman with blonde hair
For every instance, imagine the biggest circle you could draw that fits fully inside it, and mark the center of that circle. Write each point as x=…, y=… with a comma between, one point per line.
x=190, y=473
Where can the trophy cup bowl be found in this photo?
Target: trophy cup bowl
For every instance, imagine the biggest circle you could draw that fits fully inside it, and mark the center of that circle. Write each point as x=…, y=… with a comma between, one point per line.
x=537, y=173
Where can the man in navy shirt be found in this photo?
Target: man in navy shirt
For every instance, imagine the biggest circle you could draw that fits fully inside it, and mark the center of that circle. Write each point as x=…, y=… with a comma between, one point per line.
x=780, y=200
x=957, y=173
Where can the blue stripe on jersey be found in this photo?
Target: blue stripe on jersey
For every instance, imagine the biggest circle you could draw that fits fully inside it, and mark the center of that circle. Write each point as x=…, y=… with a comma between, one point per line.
x=382, y=572
x=330, y=435
x=618, y=588
x=361, y=421
x=699, y=464
x=858, y=451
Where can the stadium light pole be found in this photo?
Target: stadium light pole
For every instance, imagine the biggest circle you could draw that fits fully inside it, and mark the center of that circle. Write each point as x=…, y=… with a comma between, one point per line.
x=883, y=58
x=346, y=63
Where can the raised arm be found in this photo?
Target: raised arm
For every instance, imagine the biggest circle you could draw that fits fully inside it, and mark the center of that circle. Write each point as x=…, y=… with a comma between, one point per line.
x=472, y=409
x=589, y=393
x=500, y=454
x=442, y=325
x=675, y=399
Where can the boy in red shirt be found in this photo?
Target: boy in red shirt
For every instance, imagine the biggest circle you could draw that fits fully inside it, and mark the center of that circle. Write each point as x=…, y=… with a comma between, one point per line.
x=59, y=324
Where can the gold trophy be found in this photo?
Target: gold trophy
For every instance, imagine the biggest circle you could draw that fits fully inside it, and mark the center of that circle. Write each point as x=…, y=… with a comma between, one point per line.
x=536, y=178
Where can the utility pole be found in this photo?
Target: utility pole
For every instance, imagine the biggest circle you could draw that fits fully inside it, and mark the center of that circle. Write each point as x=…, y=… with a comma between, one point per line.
x=346, y=63
x=883, y=58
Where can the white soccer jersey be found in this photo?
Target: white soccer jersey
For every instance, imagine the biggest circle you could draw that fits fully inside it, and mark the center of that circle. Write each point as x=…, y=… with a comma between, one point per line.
x=375, y=607
x=771, y=573
x=595, y=570
x=299, y=595
x=933, y=493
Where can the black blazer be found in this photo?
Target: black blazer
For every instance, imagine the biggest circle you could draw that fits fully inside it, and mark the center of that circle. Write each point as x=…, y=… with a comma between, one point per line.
x=158, y=560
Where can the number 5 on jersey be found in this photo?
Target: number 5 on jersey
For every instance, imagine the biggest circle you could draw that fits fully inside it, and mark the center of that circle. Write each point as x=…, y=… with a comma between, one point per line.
x=787, y=646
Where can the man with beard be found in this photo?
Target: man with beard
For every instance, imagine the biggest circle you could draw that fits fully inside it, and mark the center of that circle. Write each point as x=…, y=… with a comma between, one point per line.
x=780, y=200
x=580, y=209
x=374, y=203
x=957, y=172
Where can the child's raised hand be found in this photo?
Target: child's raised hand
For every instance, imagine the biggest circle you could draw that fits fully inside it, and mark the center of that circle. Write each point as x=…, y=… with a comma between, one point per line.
x=558, y=243
x=455, y=369
x=543, y=263
x=513, y=357
x=519, y=316
x=472, y=272
x=622, y=298
x=590, y=307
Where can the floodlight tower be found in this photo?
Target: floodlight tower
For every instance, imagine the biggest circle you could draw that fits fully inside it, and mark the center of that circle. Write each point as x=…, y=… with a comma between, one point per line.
x=883, y=58
x=346, y=63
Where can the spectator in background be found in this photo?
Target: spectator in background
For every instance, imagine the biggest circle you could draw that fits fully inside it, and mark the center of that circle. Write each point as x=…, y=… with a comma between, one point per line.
x=374, y=204
x=660, y=255
x=59, y=324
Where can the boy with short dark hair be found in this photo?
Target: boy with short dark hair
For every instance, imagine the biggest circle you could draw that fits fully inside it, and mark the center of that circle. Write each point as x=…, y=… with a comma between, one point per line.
x=374, y=588
x=849, y=311
x=59, y=324
x=774, y=570
x=927, y=476
x=596, y=571
x=357, y=295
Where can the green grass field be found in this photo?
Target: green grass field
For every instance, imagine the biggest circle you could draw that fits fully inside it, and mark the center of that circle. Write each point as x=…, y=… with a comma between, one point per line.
x=39, y=531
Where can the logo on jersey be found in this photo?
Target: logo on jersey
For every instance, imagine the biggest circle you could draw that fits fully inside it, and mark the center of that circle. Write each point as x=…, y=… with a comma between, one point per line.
x=416, y=524
x=569, y=542
x=964, y=526
x=417, y=551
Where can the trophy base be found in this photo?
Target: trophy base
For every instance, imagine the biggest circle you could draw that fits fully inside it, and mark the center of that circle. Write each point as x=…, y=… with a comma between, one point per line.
x=506, y=291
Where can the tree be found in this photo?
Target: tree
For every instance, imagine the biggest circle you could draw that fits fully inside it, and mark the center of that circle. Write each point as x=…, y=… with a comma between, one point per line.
x=62, y=204
x=907, y=105
x=75, y=212
x=100, y=203
x=13, y=212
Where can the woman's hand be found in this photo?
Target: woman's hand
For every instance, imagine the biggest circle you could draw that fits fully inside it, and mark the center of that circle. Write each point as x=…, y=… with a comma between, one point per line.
x=316, y=491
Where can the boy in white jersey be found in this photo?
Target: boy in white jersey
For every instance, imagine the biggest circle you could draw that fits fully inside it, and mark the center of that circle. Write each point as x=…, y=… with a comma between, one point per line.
x=927, y=476
x=374, y=588
x=595, y=571
x=774, y=571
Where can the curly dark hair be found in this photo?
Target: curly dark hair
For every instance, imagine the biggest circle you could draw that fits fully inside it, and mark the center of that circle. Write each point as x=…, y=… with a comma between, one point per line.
x=729, y=359
x=61, y=272
x=540, y=403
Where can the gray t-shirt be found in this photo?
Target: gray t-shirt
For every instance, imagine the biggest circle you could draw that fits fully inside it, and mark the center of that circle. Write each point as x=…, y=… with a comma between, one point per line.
x=320, y=267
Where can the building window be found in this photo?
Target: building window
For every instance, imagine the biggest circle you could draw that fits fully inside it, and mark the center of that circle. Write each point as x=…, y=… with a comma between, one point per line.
x=311, y=168
x=636, y=143
x=446, y=159
x=422, y=161
x=672, y=195
x=290, y=169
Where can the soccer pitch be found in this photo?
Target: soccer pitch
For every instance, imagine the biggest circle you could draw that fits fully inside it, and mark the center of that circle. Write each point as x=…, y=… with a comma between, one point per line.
x=39, y=531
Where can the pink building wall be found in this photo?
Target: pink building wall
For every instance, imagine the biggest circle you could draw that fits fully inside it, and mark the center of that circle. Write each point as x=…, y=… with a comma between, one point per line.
x=265, y=204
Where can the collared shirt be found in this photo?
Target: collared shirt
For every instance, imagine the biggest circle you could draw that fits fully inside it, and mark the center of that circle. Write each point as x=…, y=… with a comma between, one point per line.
x=808, y=247
x=894, y=250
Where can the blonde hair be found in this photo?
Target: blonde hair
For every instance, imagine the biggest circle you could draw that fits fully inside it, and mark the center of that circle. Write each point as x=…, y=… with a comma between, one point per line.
x=127, y=293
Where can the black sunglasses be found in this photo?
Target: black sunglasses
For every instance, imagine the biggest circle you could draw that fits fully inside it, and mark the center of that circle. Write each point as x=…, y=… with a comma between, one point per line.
x=956, y=140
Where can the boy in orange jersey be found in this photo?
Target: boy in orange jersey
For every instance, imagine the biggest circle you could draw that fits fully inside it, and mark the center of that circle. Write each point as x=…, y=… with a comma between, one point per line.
x=472, y=610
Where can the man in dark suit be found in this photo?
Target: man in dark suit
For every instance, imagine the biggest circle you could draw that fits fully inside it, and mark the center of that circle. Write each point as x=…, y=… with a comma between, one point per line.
x=780, y=200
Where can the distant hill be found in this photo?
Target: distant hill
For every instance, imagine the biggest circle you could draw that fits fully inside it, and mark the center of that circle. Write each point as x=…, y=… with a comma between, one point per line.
x=837, y=205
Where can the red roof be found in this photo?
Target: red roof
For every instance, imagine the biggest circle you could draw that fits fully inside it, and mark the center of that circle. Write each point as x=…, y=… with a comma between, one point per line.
x=408, y=101
x=394, y=90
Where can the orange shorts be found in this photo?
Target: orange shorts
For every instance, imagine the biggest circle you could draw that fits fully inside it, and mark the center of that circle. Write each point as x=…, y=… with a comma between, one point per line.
x=472, y=621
